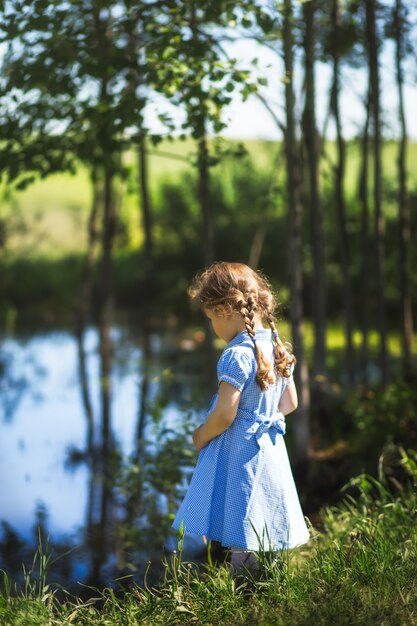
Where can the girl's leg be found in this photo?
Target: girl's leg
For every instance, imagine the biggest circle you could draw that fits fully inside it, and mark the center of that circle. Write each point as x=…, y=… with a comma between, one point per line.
x=242, y=560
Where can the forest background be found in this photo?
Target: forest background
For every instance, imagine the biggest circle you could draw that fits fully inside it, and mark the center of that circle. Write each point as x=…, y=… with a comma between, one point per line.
x=103, y=211
x=329, y=221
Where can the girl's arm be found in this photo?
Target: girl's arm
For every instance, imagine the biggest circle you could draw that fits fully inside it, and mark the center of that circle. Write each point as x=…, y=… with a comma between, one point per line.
x=289, y=400
x=221, y=418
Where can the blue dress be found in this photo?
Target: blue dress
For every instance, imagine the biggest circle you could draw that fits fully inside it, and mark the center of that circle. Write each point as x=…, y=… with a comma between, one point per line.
x=242, y=491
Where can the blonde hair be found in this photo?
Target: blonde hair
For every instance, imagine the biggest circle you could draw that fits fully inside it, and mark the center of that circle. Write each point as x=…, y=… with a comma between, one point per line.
x=235, y=287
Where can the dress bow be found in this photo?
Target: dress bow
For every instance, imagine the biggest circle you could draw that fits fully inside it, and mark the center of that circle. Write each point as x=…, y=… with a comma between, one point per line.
x=276, y=421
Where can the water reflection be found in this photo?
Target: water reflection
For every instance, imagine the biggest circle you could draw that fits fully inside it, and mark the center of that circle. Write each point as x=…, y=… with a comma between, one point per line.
x=18, y=375
x=94, y=444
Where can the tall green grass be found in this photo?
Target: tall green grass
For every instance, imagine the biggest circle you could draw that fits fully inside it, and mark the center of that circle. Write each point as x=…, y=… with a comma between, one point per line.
x=358, y=569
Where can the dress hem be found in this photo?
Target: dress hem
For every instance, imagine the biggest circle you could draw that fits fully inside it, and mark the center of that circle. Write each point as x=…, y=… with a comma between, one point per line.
x=235, y=544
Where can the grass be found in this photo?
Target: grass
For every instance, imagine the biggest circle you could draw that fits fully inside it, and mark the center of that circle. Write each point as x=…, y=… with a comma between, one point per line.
x=358, y=569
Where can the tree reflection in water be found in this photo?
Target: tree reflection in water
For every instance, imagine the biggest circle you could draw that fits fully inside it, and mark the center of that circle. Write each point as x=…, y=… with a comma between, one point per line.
x=132, y=494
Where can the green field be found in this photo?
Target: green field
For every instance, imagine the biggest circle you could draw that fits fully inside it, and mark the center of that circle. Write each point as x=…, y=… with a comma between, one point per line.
x=49, y=217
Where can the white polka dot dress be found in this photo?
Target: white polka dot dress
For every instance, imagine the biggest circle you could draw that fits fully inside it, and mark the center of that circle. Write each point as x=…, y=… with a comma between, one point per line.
x=242, y=491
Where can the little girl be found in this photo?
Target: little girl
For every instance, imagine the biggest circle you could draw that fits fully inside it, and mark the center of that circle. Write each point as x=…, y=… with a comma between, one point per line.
x=242, y=488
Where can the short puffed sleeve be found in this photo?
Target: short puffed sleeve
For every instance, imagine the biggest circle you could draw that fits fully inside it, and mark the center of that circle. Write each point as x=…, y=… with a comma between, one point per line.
x=234, y=367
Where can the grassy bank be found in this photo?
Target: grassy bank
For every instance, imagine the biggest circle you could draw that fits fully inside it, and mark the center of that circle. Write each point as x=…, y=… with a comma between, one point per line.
x=358, y=569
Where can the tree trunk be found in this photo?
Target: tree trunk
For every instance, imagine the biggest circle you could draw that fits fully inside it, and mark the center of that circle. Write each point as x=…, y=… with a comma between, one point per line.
x=316, y=214
x=340, y=198
x=135, y=82
x=365, y=243
x=302, y=423
x=379, y=226
x=204, y=199
x=203, y=192
x=96, y=536
x=145, y=204
x=203, y=185
x=105, y=132
x=84, y=305
x=105, y=315
x=134, y=500
x=144, y=391
x=208, y=243
x=403, y=207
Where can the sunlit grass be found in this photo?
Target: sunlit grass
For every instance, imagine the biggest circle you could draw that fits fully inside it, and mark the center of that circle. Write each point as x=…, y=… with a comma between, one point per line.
x=336, y=340
x=59, y=191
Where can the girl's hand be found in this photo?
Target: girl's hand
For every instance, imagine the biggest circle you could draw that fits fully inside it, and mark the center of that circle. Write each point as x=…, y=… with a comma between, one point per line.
x=220, y=418
x=197, y=438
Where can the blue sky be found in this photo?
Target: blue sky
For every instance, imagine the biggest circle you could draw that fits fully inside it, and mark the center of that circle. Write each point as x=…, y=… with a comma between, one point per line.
x=251, y=120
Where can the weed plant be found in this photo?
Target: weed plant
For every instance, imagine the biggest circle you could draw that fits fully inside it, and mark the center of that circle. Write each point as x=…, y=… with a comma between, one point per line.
x=359, y=570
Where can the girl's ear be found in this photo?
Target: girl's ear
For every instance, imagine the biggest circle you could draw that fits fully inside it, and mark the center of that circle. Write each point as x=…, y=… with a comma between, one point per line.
x=222, y=312
x=218, y=311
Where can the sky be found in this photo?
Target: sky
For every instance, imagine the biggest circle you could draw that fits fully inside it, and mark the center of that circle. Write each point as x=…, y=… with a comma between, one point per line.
x=251, y=120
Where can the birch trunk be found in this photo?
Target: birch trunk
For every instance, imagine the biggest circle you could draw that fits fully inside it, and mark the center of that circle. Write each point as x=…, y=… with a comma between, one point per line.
x=403, y=206
x=302, y=421
x=84, y=305
x=347, y=296
x=365, y=243
x=316, y=213
x=379, y=225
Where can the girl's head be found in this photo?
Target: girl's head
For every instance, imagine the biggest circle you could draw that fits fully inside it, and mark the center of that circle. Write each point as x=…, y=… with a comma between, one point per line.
x=234, y=288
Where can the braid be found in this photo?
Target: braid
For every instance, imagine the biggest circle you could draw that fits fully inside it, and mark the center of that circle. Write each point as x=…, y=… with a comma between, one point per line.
x=283, y=357
x=247, y=310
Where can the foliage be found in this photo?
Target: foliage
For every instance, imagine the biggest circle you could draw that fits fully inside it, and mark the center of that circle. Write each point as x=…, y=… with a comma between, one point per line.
x=155, y=469
x=66, y=88
x=76, y=78
x=191, y=67
x=380, y=417
x=36, y=271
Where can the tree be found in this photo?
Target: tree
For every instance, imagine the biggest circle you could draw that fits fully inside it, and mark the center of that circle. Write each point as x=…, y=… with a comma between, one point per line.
x=195, y=74
x=193, y=71
x=340, y=42
x=373, y=46
x=398, y=28
x=67, y=97
x=302, y=424
x=363, y=194
x=316, y=213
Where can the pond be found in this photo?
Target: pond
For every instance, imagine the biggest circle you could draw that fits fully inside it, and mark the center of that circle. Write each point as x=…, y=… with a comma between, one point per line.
x=97, y=476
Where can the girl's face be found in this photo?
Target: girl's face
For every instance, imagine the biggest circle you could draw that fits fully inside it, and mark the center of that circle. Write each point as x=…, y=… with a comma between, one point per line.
x=225, y=326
